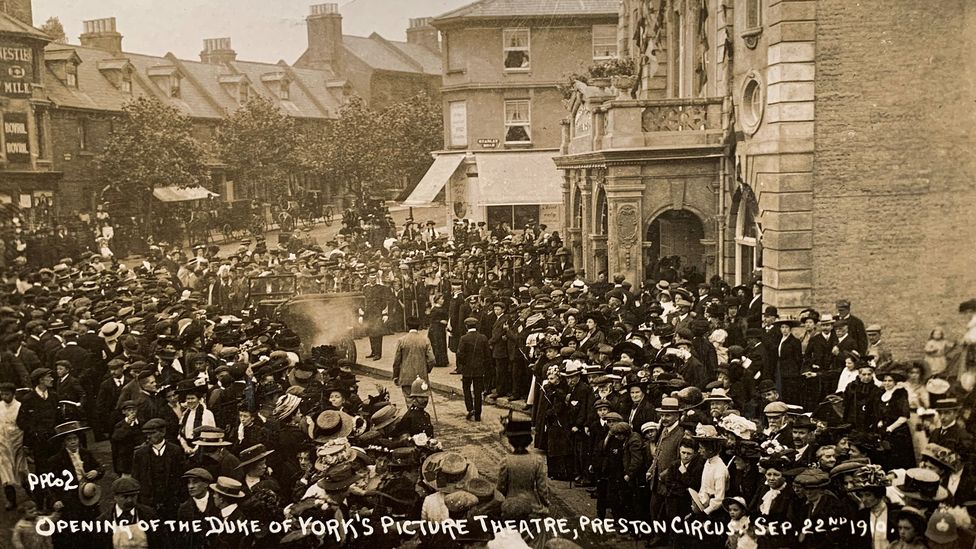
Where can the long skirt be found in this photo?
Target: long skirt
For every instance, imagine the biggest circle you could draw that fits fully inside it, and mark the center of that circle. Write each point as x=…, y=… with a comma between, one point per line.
x=13, y=455
x=437, y=335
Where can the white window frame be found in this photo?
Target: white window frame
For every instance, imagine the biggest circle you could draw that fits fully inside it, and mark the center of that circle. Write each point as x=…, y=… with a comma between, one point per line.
x=744, y=244
x=71, y=75
x=506, y=33
x=460, y=138
x=596, y=45
x=126, y=84
x=284, y=92
x=527, y=124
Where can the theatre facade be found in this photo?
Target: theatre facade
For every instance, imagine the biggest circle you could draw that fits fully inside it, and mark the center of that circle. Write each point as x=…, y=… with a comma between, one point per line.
x=824, y=141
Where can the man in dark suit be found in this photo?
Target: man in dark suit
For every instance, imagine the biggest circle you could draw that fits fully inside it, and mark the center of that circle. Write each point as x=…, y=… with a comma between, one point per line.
x=457, y=311
x=126, y=436
x=854, y=325
x=789, y=359
x=581, y=412
x=951, y=433
x=821, y=506
x=473, y=362
x=108, y=397
x=198, y=506
x=72, y=395
x=158, y=465
x=37, y=418
x=377, y=301
x=79, y=357
x=499, y=351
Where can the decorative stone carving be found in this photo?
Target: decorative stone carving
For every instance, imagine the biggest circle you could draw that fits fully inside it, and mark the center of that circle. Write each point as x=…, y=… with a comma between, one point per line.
x=674, y=118
x=628, y=222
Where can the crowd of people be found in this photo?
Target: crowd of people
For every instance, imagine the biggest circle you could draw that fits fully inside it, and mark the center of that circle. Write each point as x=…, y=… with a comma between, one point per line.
x=665, y=399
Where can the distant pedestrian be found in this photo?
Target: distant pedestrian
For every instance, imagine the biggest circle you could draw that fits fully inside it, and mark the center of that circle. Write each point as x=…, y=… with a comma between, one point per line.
x=473, y=363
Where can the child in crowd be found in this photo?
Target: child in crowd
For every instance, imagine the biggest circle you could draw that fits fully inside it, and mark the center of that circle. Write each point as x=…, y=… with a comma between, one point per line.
x=741, y=535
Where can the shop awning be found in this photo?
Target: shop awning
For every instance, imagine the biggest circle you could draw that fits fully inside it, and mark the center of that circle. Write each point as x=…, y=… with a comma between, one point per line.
x=437, y=176
x=177, y=194
x=518, y=178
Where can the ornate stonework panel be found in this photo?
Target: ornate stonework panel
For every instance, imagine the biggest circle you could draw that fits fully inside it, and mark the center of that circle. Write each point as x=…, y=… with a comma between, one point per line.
x=628, y=224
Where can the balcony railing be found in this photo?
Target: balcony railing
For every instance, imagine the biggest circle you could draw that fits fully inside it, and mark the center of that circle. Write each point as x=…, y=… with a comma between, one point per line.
x=650, y=123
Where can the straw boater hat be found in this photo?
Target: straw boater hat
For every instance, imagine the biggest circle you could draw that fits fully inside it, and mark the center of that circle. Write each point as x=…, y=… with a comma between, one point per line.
x=210, y=436
x=669, y=405
x=228, y=487
x=384, y=416
x=89, y=493
x=69, y=427
x=331, y=424
x=111, y=331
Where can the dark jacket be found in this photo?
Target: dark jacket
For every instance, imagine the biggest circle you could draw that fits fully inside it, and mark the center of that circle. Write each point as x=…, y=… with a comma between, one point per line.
x=474, y=355
x=162, y=490
x=644, y=413
x=789, y=357
x=125, y=439
x=499, y=345
x=73, y=509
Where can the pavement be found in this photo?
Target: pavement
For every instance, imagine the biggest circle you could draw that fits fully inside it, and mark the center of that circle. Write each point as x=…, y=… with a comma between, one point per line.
x=440, y=379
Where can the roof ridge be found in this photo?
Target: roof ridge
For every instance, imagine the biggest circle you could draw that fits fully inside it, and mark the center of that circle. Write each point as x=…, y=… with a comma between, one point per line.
x=456, y=11
x=301, y=85
x=397, y=51
x=211, y=100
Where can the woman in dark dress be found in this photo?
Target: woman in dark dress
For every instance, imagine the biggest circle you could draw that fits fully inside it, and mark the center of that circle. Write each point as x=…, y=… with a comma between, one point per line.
x=559, y=447
x=893, y=426
x=437, y=333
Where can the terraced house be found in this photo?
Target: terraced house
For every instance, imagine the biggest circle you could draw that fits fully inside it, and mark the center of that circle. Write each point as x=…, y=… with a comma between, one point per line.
x=58, y=102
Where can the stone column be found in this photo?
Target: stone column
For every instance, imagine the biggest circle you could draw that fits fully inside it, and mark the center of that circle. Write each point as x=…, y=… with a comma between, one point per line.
x=567, y=189
x=586, y=222
x=625, y=192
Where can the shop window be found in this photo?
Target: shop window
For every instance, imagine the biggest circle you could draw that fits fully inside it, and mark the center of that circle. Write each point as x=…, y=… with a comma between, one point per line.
x=518, y=121
x=515, y=217
x=516, y=49
x=604, y=42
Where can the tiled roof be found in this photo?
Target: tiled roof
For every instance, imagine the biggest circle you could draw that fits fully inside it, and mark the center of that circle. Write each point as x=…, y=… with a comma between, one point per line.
x=11, y=25
x=375, y=52
x=531, y=8
x=429, y=60
x=206, y=90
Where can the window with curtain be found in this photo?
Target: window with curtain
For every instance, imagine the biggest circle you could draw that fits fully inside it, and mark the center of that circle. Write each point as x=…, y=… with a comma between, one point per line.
x=518, y=121
x=516, y=49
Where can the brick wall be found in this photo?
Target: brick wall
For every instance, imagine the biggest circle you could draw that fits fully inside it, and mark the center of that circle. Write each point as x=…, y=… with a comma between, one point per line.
x=79, y=181
x=894, y=166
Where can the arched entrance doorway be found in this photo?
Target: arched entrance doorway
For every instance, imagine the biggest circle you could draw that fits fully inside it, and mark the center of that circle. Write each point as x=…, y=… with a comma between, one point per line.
x=673, y=240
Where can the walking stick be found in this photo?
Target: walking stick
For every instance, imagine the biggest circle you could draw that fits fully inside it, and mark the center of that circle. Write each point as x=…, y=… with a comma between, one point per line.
x=430, y=392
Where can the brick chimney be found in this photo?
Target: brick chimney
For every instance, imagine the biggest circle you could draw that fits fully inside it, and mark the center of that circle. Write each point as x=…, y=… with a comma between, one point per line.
x=100, y=34
x=217, y=51
x=420, y=32
x=18, y=9
x=324, y=35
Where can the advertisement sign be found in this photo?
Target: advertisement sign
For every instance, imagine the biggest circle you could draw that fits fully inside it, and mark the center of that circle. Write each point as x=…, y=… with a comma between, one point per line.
x=15, y=138
x=16, y=70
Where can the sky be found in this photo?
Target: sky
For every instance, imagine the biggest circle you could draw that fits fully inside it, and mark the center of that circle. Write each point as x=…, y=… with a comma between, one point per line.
x=260, y=30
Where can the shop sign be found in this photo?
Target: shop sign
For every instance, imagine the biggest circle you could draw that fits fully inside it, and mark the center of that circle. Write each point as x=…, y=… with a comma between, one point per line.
x=16, y=70
x=16, y=140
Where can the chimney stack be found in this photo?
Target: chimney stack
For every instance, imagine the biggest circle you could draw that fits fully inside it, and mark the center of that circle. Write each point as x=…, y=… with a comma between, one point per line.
x=324, y=36
x=217, y=51
x=100, y=34
x=420, y=32
x=18, y=9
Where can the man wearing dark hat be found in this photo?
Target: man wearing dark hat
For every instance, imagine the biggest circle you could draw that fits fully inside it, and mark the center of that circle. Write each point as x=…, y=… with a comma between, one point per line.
x=950, y=432
x=108, y=396
x=37, y=418
x=198, y=506
x=821, y=506
x=854, y=325
x=158, y=465
x=126, y=436
x=789, y=359
x=128, y=511
x=378, y=300
x=473, y=362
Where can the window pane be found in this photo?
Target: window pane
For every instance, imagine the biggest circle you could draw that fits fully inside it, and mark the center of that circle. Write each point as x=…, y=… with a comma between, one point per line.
x=752, y=14
x=604, y=41
x=498, y=215
x=517, y=134
x=524, y=215
x=516, y=112
x=516, y=48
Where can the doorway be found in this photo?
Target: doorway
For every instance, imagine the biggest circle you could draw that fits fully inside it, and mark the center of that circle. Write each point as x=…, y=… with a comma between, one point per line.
x=673, y=241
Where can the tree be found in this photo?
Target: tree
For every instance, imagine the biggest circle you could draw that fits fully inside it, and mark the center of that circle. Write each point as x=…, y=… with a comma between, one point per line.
x=151, y=146
x=369, y=151
x=258, y=141
x=53, y=28
x=413, y=128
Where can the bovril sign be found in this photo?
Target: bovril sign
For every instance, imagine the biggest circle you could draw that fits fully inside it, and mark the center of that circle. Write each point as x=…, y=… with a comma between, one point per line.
x=16, y=70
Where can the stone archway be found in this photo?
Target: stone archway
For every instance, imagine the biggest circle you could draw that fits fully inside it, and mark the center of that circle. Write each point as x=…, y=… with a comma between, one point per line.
x=674, y=238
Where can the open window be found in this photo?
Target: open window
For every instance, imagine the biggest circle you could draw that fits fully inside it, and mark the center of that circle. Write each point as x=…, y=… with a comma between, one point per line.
x=516, y=49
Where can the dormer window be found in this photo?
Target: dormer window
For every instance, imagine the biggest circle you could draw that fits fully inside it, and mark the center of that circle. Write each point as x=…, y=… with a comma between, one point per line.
x=118, y=72
x=238, y=86
x=64, y=65
x=245, y=93
x=168, y=78
x=279, y=84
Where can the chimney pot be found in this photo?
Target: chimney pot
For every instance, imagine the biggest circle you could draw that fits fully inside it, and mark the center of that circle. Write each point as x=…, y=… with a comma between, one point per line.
x=324, y=9
x=324, y=25
x=102, y=34
x=422, y=33
x=217, y=51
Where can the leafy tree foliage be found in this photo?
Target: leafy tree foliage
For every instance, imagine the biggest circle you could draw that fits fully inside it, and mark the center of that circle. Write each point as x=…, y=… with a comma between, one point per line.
x=258, y=141
x=53, y=28
x=151, y=146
